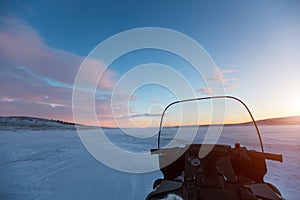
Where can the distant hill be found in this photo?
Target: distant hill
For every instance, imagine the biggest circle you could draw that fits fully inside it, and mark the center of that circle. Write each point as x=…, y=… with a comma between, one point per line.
x=293, y=120
x=23, y=122
x=34, y=123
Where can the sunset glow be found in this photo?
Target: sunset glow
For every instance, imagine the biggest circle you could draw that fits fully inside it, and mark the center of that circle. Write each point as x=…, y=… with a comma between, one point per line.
x=255, y=50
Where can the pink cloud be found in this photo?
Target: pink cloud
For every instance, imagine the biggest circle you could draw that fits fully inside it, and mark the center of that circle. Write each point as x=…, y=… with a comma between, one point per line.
x=26, y=92
x=221, y=78
x=231, y=86
x=25, y=95
x=205, y=91
x=21, y=45
x=19, y=85
x=220, y=74
x=29, y=67
x=220, y=71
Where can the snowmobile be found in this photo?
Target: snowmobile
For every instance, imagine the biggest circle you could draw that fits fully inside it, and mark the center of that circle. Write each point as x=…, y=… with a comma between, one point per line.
x=226, y=172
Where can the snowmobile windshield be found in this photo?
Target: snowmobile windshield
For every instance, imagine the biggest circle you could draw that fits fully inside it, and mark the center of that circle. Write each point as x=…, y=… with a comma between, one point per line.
x=209, y=120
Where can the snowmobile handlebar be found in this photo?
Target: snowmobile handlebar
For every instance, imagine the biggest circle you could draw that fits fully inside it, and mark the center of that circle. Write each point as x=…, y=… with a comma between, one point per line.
x=268, y=156
x=246, y=154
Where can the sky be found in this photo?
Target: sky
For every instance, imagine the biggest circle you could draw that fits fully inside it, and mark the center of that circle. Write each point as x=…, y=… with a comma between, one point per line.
x=255, y=46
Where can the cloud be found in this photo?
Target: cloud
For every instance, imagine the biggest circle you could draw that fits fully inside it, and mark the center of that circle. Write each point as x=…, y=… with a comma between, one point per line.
x=205, y=91
x=220, y=77
x=37, y=80
x=221, y=72
x=231, y=86
x=19, y=85
x=21, y=45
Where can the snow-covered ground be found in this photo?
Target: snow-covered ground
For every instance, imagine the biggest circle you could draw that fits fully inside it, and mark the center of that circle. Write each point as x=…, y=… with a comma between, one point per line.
x=54, y=164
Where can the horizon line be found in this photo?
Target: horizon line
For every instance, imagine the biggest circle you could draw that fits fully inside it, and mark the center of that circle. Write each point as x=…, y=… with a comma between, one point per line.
x=173, y=126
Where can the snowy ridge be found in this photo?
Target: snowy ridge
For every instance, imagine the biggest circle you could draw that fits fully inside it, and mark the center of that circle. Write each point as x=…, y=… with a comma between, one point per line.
x=34, y=123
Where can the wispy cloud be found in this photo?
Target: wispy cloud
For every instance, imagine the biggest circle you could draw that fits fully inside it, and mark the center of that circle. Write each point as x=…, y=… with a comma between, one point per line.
x=231, y=86
x=205, y=91
x=221, y=72
x=220, y=77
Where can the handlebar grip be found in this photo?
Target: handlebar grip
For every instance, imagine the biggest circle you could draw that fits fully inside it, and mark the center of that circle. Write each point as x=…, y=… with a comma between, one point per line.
x=269, y=156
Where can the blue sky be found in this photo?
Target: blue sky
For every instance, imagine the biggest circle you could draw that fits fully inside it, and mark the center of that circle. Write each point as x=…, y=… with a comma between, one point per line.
x=256, y=45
